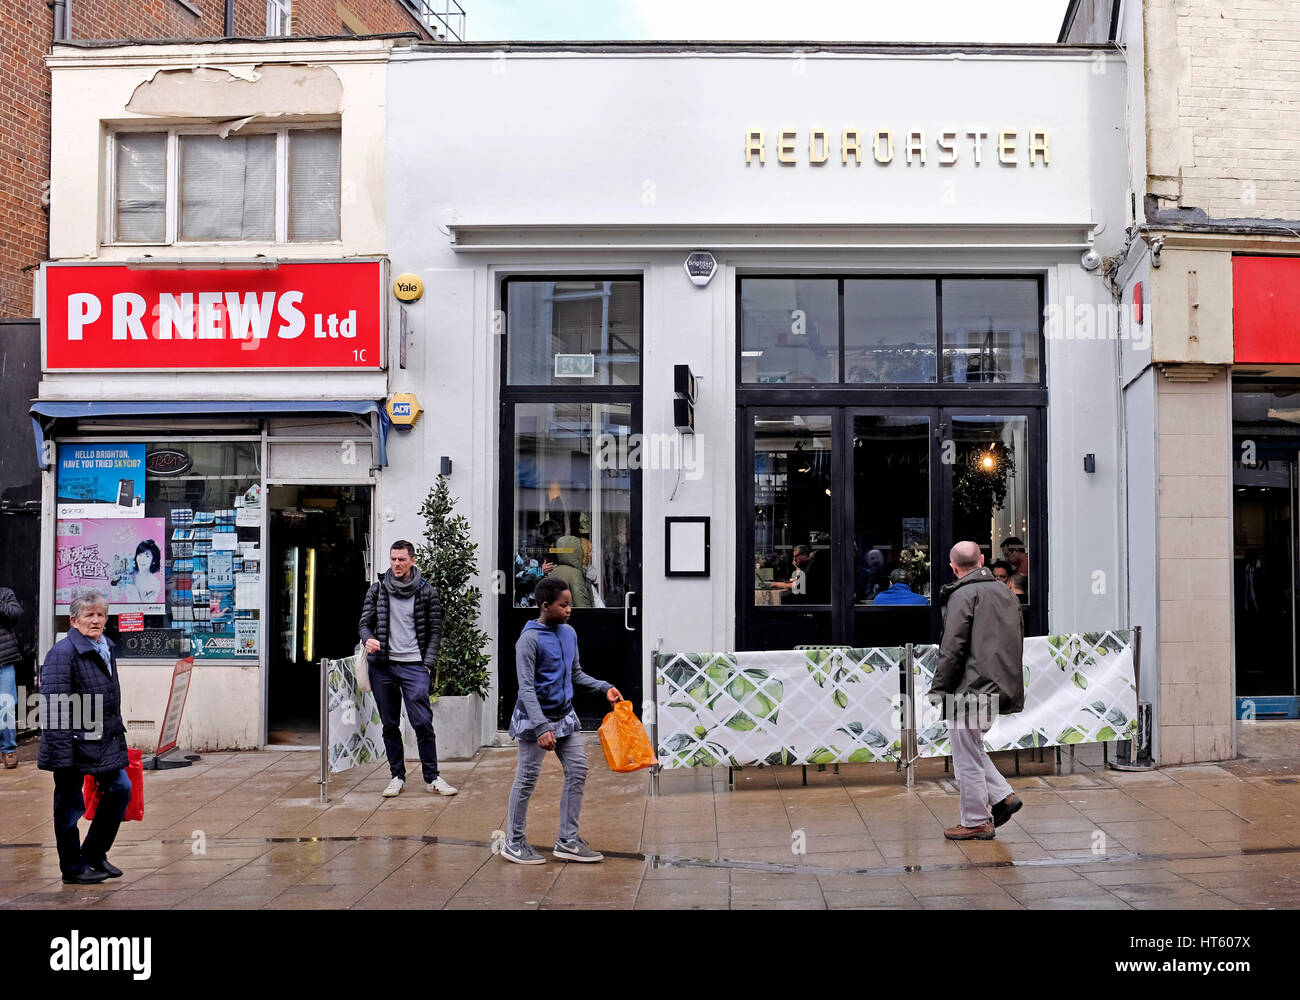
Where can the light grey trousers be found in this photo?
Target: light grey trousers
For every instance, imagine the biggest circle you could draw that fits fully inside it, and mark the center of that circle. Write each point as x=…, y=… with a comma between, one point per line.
x=978, y=780
x=573, y=758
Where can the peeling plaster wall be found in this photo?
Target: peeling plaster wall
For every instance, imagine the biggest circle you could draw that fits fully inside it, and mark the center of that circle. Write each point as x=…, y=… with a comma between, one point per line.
x=265, y=90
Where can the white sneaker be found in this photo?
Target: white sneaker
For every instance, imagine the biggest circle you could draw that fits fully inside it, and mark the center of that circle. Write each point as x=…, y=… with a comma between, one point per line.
x=439, y=785
x=394, y=787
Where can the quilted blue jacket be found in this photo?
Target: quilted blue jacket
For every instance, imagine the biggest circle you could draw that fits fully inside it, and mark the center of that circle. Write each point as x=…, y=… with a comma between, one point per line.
x=83, y=726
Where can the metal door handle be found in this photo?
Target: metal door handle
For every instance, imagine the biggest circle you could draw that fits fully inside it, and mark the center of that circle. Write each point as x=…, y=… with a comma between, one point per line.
x=628, y=609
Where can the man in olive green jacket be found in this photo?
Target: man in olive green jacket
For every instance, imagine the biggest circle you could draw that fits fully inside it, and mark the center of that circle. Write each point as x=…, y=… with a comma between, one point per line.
x=569, y=569
x=980, y=676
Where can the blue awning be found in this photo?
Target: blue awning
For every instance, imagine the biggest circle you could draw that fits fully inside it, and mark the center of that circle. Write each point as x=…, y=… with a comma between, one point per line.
x=69, y=410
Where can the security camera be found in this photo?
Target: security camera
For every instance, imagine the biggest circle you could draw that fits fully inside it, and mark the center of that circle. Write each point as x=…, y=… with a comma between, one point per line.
x=1157, y=245
x=1091, y=260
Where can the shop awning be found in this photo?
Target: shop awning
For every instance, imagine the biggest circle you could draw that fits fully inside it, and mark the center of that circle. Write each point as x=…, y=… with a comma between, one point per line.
x=52, y=410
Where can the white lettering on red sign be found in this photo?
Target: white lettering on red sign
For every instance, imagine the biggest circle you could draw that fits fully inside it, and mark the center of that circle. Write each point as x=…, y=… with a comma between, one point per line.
x=111, y=316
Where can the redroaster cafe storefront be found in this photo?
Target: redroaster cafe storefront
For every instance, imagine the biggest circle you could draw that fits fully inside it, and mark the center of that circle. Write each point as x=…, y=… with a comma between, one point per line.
x=751, y=336
x=212, y=439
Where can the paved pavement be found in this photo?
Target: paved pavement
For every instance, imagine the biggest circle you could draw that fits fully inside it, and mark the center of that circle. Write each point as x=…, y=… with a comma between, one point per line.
x=248, y=830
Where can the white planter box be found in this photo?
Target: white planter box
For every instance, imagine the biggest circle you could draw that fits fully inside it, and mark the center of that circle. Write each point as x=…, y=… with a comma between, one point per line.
x=457, y=724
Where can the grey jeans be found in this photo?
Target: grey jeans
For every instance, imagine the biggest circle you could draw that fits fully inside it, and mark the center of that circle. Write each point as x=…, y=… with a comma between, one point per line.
x=573, y=758
x=978, y=781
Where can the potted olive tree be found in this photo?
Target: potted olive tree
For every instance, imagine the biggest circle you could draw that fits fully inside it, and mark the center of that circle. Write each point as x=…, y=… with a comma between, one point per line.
x=460, y=683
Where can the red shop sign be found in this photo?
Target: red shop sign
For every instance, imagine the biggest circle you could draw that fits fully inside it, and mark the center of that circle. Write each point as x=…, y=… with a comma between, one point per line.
x=1265, y=309
x=295, y=316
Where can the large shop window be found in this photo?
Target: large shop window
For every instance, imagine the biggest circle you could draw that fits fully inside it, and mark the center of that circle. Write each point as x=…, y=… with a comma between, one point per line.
x=273, y=186
x=183, y=578
x=890, y=330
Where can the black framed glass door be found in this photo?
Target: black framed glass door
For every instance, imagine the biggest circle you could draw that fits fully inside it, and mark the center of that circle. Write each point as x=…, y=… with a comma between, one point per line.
x=570, y=483
x=853, y=511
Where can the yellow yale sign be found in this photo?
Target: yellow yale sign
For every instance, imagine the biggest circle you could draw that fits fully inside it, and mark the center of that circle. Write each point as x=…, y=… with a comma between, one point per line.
x=403, y=409
x=408, y=287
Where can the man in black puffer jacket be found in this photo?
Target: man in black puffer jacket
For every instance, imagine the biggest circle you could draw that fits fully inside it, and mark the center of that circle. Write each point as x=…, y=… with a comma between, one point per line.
x=11, y=613
x=84, y=734
x=401, y=627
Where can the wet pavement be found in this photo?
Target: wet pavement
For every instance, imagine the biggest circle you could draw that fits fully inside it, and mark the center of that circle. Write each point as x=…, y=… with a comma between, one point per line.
x=248, y=830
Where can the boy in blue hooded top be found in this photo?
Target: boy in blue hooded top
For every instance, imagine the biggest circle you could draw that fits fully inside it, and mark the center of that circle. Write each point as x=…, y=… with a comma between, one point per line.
x=546, y=660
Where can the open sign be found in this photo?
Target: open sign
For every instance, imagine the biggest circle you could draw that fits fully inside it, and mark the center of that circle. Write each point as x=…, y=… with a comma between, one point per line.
x=168, y=462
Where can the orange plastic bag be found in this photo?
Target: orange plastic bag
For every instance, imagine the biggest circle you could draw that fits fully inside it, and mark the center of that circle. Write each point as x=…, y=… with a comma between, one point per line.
x=624, y=740
x=134, y=771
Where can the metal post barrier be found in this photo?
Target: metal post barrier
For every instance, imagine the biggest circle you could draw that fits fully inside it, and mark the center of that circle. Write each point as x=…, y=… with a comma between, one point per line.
x=654, y=718
x=324, y=731
x=1137, y=683
x=909, y=740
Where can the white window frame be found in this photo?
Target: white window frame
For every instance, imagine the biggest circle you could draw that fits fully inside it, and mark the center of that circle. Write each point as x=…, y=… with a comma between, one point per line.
x=172, y=197
x=278, y=13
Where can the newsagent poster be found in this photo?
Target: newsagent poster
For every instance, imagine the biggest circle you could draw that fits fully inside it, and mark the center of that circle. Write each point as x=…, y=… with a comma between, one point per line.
x=122, y=558
x=100, y=480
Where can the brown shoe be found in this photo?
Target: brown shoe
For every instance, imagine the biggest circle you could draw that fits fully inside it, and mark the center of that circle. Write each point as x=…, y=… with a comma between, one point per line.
x=982, y=832
x=11, y=760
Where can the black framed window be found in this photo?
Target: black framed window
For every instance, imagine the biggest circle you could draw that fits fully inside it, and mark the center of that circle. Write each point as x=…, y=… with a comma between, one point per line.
x=573, y=333
x=890, y=330
x=991, y=330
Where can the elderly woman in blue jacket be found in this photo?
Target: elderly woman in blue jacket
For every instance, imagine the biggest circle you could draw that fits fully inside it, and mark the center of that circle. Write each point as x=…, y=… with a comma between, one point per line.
x=84, y=734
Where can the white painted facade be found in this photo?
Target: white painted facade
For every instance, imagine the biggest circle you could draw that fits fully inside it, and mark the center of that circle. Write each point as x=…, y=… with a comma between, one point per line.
x=579, y=160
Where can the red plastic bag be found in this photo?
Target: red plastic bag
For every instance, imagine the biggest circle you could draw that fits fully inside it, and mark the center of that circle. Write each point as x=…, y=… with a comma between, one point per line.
x=624, y=740
x=134, y=771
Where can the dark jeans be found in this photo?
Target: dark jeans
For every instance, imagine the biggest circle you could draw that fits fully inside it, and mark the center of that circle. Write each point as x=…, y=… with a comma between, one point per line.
x=69, y=807
x=393, y=684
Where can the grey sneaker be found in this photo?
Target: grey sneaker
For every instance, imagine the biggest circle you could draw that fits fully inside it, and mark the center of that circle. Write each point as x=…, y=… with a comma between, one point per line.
x=521, y=854
x=576, y=850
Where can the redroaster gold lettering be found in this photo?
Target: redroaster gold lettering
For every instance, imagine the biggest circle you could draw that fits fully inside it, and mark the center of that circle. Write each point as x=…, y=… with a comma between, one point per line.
x=950, y=144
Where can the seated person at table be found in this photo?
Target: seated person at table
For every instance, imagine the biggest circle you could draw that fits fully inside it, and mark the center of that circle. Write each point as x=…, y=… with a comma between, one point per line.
x=899, y=591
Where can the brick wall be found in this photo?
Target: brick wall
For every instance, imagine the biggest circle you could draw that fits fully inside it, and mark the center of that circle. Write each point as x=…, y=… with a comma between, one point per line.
x=1230, y=88
x=144, y=19
x=25, y=28
x=328, y=17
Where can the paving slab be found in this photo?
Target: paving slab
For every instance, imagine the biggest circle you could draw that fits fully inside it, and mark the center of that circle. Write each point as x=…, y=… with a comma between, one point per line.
x=248, y=830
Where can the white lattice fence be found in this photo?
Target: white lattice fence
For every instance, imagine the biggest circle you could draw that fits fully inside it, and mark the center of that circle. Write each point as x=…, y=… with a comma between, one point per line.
x=785, y=707
x=355, y=732
x=1079, y=688
x=835, y=705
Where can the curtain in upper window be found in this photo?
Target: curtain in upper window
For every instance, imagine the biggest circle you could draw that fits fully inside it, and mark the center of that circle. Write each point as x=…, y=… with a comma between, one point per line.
x=227, y=187
x=314, y=185
x=141, y=203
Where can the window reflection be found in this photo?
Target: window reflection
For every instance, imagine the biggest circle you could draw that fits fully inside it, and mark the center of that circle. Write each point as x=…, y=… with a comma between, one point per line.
x=792, y=509
x=890, y=330
x=990, y=493
x=573, y=500
x=790, y=330
x=891, y=520
x=990, y=330
x=573, y=333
